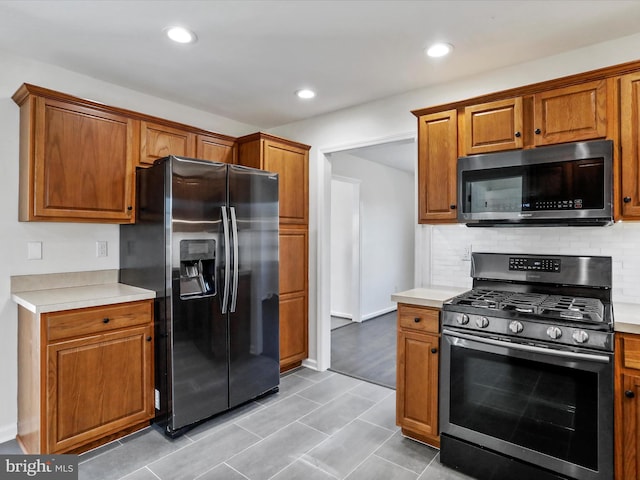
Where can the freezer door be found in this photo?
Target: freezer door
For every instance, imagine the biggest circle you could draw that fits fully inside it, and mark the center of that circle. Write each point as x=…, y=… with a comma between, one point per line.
x=196, y=266
x=253, y=319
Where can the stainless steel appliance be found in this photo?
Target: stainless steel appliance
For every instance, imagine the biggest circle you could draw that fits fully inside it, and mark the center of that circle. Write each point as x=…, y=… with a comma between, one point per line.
x=206, y=240
x=569, y=184
x=526, y=385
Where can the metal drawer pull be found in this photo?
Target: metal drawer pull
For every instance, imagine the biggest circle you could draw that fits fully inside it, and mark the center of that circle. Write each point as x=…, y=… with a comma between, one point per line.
x=416, y=319
x=629, y=394
x=148, y=339
x=105, y=320
x=434, y=350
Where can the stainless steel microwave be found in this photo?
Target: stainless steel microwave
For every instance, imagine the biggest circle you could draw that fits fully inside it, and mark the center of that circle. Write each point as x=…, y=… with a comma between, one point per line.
x=561, y=185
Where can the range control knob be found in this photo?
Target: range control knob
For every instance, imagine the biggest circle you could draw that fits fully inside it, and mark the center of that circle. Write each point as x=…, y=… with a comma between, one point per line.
x=554, y=332
x=463, y=319
x=516, y=326
x=482, y=322
x=580, y=336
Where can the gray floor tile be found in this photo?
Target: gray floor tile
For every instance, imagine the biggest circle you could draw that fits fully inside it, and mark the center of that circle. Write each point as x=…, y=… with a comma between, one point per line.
x=135, y=453
x=302, y=470
x=347, y=448
x=334, y=415
x=199, y=457
x=278, y=415
x=222, y=472
x=383, y=413
x=330, y=388
x=372, y=391
x=312, y=375
x=412, y=455
x=10, y=448
x=376, y=468
x=142, y=474
x=289, y=385
x=436, y=471
x=223, y=420
x=265, y=459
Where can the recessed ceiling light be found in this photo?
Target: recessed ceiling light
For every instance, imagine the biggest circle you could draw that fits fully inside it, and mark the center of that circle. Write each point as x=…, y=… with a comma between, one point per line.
x=439, y=49
x=305, y=93
x=181, y=35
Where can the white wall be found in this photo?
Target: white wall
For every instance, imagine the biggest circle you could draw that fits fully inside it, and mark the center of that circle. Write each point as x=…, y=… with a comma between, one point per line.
x=66, y=247
x=378, y=121
x=342, y=247
x=387, y=231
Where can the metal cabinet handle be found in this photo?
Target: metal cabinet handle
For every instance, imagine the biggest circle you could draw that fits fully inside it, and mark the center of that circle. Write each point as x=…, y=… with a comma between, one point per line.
x=626, y=199
x=417, y=319
x=105, y=320
x=148, y=339
x=130, y=208
x=537, y=131
x=434, y=350
x=629, y=394
x=452, y=207
x=518, y=134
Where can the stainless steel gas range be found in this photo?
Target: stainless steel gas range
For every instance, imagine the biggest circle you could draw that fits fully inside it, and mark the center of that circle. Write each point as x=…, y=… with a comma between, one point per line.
x=527, y=369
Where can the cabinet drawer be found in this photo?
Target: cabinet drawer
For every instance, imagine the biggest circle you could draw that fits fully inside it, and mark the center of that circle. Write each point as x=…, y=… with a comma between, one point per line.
x=630, y=351
x=88, y=321
x=416, y=318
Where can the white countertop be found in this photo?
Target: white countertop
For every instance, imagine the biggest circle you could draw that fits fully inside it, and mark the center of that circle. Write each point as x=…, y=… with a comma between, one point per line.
x=57, y=299
x=433, y=296
x=626, y=317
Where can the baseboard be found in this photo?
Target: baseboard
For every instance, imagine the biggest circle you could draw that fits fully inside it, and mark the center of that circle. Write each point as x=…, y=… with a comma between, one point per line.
x=8, y=432
x=310, y=363
x=348, y=316
x=384, y=311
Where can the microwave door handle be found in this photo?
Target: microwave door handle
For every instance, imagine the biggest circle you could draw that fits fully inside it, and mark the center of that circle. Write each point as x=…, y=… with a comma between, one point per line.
x=227, y=259
x=530, y=348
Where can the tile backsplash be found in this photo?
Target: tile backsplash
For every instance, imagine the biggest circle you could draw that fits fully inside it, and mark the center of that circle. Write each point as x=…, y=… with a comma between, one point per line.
x=446, y=244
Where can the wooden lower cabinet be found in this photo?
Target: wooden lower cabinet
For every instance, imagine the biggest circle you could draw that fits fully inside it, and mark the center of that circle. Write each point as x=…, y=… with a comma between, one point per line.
x=627, y=406
x=86, y=376
x=417, y=373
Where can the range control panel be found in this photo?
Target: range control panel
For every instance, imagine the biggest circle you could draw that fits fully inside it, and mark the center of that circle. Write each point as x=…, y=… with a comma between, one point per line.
x=537, y=264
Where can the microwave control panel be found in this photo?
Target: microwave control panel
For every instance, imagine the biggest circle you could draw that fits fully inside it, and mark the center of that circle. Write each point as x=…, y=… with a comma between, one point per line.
x=537, y=264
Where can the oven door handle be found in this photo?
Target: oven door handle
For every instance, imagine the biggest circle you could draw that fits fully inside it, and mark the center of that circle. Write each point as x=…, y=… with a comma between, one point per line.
x=530, y=348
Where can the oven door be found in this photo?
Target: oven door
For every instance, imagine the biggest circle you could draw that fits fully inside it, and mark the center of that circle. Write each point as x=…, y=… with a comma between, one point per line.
x=549, y=407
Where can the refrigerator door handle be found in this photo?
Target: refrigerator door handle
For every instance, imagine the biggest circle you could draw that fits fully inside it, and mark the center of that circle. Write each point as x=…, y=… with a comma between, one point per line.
x=227, y=259
x=234, y=228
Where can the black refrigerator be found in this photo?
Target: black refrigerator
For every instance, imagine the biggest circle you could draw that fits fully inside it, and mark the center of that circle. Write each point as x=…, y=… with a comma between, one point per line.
x=206, y=240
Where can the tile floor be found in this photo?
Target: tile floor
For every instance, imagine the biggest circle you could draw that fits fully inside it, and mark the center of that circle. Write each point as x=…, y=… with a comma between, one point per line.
x=319, y=426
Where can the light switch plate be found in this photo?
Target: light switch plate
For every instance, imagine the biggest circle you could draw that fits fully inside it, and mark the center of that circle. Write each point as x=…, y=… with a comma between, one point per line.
x=34, y=250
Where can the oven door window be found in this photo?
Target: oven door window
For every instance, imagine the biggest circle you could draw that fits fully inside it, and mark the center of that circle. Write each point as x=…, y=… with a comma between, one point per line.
x=544, y=407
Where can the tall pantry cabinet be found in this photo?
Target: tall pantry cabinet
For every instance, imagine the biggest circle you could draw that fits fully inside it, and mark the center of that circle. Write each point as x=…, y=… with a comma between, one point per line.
x=290, y=160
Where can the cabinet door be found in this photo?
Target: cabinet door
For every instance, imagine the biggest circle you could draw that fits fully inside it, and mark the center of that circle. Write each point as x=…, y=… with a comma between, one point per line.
x=630, y=143
x=437, y=157
x=628, y=459
x=570, y=114
x=158, y=141
x=493, y=126
x=293, y=297
x=292, y=165
x=98, y=385
x=82, y=165
x=215, y=149
x=417, y=385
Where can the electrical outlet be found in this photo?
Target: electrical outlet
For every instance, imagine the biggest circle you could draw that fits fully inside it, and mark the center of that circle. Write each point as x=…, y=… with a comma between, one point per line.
x=101, y=248
x=466, y=254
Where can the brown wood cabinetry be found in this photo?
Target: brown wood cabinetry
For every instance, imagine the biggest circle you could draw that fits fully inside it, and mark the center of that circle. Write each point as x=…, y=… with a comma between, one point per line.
x=290, y=161
x=494, y=126
x=570, y=114
x=158, y=141
x=76, y=160
x=437, y=157
x=630, y=144
x=417, y=372
x=85, y=376
x=216, y=148
x=627, y=406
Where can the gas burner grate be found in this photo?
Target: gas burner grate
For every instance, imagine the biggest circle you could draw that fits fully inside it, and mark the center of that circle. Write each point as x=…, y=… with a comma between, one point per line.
x=573, y=308
x=523, y=302
x=481, y=298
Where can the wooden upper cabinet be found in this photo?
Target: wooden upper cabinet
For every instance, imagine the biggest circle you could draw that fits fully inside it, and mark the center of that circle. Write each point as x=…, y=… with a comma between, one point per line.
x=158, y=141
x=570, y=114
x=216, y=149
x=493, y=126
x=437, y=158
x=630, y=143
x=76, y=160
x=290, y=160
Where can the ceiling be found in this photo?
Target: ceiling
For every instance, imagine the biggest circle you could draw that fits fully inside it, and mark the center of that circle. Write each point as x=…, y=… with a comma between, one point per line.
x=251, y=56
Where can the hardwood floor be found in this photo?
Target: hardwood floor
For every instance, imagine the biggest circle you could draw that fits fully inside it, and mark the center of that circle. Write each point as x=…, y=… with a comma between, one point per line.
x=367, y=350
